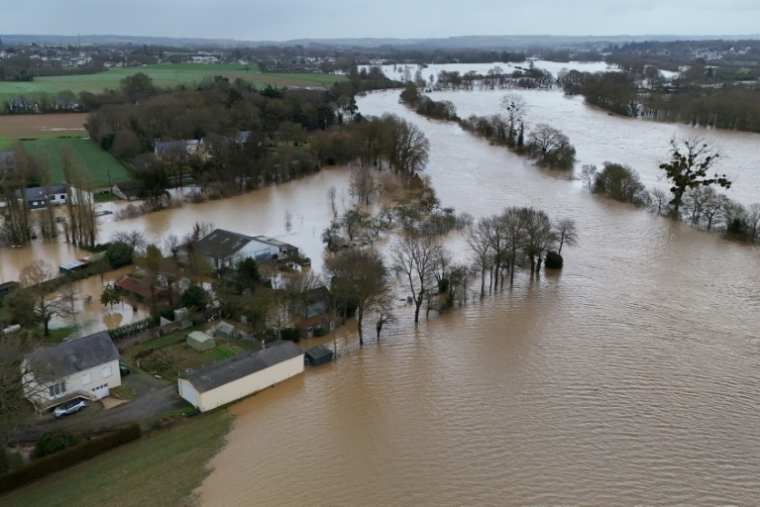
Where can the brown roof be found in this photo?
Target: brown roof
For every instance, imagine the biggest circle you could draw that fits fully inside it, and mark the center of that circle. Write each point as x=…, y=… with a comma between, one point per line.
x=135, y=286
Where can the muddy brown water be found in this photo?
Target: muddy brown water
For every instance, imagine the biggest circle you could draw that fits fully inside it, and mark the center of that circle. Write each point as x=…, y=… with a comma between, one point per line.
x=631, y=378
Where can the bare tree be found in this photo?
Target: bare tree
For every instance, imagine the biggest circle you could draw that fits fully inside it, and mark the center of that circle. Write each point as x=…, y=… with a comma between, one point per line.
x=659, y=201
x=362, y=183
x=414, y=256
x=134, y=238
x=332, y=201
x=82, y=224
x=515, y=108
x=513, y=223
x=358, y=278
x=566, y=233
x=47, y=305
x=538, y=236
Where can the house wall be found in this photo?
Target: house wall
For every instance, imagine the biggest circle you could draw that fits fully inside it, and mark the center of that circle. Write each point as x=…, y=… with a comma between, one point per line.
x=250, y=384
x=259, y=250
x=96, y=386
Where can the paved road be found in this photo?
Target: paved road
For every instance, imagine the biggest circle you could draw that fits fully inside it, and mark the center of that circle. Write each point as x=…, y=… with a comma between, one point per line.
x=152, y=397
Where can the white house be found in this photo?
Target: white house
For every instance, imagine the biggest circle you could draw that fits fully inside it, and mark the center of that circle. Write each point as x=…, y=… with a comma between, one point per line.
x=87, y=367
x=237, y=377
x=226, y=248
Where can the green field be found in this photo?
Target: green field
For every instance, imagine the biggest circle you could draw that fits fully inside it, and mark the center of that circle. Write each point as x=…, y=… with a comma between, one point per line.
x=100, y=164
x=164, y=75
x=162, y=468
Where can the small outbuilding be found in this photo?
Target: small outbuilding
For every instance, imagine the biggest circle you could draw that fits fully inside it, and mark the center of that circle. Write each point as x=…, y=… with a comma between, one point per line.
x=237, y=377
x=200, y=341
x=70, y=267
x=318, y=355
x=226, y=331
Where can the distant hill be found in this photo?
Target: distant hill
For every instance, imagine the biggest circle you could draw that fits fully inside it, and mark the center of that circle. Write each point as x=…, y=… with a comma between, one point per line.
x=469, y=41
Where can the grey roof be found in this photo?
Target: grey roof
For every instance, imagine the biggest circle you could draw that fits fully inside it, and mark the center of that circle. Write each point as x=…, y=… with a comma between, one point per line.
x=171, y=148
x=221, y=244
x=42, y=192
x=318, y=351
x=74, y=356
x=234, y=368
x=130, y=188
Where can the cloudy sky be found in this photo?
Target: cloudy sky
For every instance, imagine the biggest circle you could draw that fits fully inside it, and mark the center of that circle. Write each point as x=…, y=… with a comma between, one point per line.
x=280, y=20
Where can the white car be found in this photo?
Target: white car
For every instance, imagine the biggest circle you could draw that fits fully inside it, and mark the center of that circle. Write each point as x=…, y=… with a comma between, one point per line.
x=68, y=408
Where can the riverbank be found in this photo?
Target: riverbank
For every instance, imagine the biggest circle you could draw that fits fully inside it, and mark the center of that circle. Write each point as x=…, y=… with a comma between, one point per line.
x=163, y=467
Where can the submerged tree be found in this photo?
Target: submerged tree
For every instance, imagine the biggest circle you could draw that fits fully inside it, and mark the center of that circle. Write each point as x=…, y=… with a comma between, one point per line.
x=689, y=162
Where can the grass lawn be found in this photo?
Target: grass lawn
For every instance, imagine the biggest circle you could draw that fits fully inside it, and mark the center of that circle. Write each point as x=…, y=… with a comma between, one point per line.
x=162, y=468
x=58, y=335
x=164, y=75
x=108, y=197
x=100, y=164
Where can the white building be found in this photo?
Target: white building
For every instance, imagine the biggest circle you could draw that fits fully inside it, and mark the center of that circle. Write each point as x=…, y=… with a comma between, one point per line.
x=237, y=377
x=87, y=367
x=226, y=248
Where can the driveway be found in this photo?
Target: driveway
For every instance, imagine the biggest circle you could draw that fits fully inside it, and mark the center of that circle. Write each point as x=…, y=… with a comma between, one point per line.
x=152, y=397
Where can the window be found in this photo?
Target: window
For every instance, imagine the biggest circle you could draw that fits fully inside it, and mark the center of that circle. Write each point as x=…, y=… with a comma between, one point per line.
x=86, y=378
x=106, y=371
x=34, y=203
x=57, y=390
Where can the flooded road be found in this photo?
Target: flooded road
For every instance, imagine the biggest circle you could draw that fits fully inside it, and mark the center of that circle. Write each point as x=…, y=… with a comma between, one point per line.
x=630, y=378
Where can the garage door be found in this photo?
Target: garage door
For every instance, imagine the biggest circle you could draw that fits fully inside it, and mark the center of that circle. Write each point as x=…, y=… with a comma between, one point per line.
x=100, y=391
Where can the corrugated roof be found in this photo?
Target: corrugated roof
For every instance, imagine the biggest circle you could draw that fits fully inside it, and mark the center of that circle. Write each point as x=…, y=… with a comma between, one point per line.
x=74, y=356
x=229, y=370
x=318, y=352
x=221, y=244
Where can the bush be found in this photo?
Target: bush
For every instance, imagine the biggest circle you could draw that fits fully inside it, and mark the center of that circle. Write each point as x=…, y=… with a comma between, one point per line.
x=621, y=183
x=66, y=458
x=53, y=441
x=195, y=297
x=133, y=328
x=553, y=260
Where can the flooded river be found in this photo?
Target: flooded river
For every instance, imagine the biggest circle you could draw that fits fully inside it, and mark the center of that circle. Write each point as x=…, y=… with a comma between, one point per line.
x=631, y=378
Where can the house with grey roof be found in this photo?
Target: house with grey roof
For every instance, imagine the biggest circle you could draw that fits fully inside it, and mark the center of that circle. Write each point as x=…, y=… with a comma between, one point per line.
x=178, y=149
x=86, y=367
x=128, y=190
x=237, y=377
x=224, y=248
x=42, y=197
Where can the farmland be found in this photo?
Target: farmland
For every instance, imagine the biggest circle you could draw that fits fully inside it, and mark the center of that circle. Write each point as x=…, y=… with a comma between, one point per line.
x=101, y=165
x=163, y=75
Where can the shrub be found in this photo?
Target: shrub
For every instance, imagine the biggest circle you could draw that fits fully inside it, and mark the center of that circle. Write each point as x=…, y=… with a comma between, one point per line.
x=553, y=260
x=621, y=183
x=68, y=457
x=195, y=297
x=52, y=442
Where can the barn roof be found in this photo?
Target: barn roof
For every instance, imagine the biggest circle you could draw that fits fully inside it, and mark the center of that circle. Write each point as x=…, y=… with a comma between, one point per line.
x=234, y=368
x=74, y=355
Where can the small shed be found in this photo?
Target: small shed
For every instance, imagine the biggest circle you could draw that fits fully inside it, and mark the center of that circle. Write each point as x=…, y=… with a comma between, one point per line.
x=200, y=341
x=318, y=355
x=70, y=267
x=226, y=331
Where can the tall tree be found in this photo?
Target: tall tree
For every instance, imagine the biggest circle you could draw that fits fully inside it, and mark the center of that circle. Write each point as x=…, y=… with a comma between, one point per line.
x=566, y=233
x=689, y=162
x=46, y=304
x=358, y=277
x=414, y=256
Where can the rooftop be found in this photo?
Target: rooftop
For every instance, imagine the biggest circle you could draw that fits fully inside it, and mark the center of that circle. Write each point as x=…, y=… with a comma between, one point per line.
x=74, y=356
x=221, y=244
x=224, y=372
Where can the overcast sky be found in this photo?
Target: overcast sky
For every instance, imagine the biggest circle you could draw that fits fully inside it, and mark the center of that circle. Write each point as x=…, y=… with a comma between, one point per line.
x=281, y=20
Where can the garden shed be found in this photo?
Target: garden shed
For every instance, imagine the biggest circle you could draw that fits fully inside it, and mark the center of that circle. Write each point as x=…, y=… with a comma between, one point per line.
x=226, y=331
x=198, y=340
x=318, y=355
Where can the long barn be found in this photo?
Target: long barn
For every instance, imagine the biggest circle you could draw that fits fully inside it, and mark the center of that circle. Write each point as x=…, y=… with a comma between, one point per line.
x=237, y=377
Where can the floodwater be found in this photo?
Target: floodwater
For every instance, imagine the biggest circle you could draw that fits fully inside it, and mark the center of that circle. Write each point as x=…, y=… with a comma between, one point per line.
x=631, y=378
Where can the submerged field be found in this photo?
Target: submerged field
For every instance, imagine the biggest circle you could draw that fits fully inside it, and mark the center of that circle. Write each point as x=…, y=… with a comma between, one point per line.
x=163, y=75
x=102, y=167
x=162, y=468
